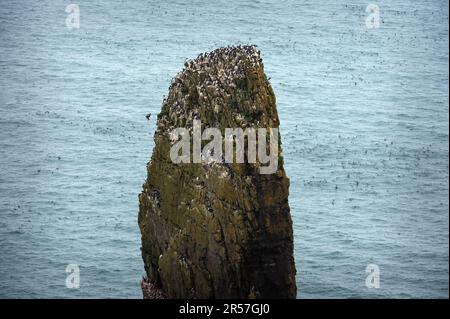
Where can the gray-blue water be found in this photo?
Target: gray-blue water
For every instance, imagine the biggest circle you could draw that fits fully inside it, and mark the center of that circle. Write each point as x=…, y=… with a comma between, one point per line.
x=364, y=124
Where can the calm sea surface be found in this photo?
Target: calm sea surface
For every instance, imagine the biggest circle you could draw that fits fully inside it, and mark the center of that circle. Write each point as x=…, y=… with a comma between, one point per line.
x=364, y=123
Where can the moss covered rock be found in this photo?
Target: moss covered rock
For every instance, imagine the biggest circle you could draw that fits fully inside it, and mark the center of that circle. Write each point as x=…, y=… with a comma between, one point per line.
x=217, y=230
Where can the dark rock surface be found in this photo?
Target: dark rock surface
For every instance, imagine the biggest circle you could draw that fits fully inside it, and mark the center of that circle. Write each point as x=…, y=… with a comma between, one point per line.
x=217, y=230
x=149, y=291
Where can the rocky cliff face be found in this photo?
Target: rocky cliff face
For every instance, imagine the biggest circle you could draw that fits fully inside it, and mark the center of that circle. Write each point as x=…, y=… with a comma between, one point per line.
x=217, y=230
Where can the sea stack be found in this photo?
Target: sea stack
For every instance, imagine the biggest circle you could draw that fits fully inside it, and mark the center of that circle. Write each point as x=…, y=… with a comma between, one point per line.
x=216, y=229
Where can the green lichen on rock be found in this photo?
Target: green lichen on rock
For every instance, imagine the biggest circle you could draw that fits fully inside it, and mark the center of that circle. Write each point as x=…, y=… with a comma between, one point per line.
x=217, y=230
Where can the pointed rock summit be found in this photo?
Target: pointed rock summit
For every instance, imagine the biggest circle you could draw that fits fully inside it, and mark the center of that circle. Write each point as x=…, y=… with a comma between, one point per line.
x=217, y=229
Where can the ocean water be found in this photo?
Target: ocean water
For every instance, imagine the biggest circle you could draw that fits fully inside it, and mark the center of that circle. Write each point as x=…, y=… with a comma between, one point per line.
x=364, y=124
